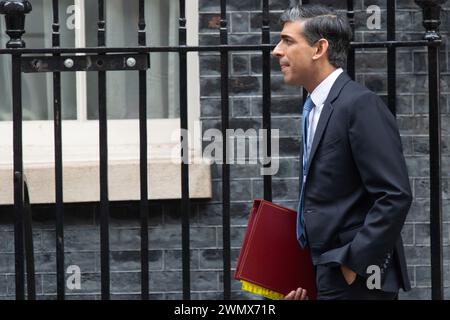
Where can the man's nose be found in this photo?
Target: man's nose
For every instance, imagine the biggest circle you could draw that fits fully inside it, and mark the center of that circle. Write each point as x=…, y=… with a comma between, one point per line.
x=277, y=52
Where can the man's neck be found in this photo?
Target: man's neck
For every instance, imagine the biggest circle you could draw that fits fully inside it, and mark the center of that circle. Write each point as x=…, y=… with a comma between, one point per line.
x=317, y=78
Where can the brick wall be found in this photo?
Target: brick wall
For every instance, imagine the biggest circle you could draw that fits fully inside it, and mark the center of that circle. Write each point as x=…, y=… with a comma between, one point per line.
x=82, y=223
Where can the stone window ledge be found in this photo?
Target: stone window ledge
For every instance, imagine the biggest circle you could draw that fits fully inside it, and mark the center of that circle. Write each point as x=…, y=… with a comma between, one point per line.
x=81, y=164
x=81, y=182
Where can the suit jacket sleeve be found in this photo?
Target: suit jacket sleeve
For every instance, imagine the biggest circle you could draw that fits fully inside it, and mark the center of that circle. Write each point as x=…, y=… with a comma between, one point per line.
x=377, y=152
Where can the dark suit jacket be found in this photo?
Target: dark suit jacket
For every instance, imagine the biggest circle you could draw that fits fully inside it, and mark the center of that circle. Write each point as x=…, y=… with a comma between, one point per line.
x=357, y=191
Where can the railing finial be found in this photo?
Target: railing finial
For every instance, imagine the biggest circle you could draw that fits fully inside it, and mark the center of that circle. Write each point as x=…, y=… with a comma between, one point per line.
x=15, y=12
x=431, y=17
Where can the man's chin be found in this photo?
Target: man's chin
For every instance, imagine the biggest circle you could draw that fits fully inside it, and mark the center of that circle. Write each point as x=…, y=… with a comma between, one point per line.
x=290, y=82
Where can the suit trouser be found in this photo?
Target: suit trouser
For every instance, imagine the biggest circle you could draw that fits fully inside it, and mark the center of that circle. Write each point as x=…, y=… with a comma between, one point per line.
x=331, y=285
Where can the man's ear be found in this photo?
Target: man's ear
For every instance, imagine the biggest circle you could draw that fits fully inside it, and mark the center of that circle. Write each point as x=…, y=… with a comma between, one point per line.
x=321, y=47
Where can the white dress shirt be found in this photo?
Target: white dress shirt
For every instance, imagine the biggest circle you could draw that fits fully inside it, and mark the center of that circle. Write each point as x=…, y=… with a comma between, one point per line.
x=318, y=97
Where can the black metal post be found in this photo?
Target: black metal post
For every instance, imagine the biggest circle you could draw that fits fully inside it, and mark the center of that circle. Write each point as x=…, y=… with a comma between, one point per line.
x=351, y=52
x=28, y=239
x=431, y=21
x=185, y=203
x=60, y=281
x=224, y=78
x=435, y=176
x=392, y=57
x=104, y=202
x=143, y=159
x=14, y=12
x=431, y=17
x=266, y=91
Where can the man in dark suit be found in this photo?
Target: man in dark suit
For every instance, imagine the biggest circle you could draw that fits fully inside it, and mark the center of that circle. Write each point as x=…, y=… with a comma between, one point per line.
x=355, y=191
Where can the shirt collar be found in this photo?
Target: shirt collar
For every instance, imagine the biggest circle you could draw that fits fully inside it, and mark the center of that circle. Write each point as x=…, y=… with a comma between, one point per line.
x=320, y=93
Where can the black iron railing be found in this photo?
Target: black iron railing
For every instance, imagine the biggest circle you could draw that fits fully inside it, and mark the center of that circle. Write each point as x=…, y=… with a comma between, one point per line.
x=112, y=58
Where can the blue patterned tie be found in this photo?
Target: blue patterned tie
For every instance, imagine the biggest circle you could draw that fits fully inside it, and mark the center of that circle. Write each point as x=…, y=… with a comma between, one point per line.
x=301, y=230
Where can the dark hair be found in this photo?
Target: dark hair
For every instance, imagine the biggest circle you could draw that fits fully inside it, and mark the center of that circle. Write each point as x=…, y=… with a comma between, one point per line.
x=323, y=22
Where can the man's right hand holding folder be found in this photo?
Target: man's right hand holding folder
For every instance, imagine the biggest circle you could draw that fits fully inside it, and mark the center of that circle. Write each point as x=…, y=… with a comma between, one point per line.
x=299, y=294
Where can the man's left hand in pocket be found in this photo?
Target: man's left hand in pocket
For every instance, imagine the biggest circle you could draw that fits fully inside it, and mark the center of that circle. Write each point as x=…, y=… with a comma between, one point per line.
x=349, y=275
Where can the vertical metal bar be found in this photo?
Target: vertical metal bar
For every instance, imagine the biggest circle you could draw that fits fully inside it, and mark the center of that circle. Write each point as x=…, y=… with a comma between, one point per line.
x=29, y=251
x=266, y=60
x=104, y=202
x=60, y=281
x=304, y=97
x=15, y=12
x=185, y=203
x=18, y=177
x=392, y=57
x=431, y=21
x=143, y=159
x=224, y=77
x=437, y=290
x=304, y=91
x=351, y=52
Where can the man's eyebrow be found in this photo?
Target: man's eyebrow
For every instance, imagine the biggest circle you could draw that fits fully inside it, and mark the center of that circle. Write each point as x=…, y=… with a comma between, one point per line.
x=286, y=37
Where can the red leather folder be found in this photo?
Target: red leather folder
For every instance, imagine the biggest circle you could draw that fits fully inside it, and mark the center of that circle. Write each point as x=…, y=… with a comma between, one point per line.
x=271, y=256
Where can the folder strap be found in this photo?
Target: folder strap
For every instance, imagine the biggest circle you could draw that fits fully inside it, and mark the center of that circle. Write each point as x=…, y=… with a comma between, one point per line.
x=253, y=288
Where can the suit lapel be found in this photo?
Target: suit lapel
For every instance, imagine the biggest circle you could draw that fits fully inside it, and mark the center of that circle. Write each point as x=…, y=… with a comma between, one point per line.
x=326, y=114
x=323, y=121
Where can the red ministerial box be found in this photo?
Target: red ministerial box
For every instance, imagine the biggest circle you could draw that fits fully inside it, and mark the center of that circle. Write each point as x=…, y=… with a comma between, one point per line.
x=271, y=256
